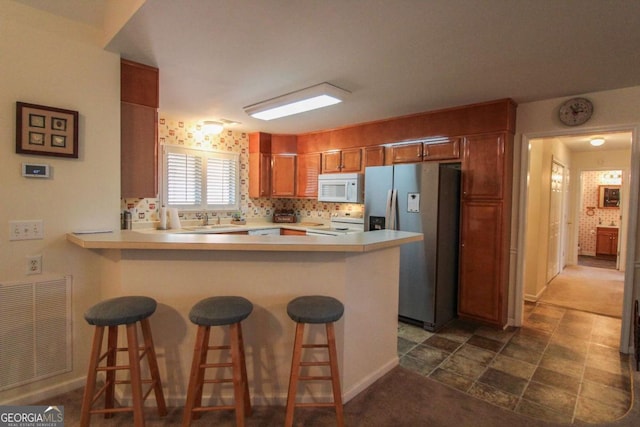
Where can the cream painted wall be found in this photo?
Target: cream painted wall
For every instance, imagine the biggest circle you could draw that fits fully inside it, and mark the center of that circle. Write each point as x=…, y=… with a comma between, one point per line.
x=55, y=62
x=613, y=110
x=542, y=152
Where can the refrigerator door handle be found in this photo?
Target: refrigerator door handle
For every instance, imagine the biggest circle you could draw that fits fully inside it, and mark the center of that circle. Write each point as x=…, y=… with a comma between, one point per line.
x=394, y=203
x=387, y=215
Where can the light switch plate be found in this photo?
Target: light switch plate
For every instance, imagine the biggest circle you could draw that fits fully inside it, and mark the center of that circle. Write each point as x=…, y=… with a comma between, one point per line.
x=26, y=230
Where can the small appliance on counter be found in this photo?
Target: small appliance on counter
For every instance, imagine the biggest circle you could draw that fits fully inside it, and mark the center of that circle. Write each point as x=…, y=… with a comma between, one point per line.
x=284, y=215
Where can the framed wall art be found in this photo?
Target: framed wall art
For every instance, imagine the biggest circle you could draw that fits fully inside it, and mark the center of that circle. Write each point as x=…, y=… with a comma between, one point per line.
x=46, y=131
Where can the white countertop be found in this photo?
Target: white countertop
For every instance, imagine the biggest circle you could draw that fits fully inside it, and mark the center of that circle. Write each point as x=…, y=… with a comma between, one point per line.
x=175, y=240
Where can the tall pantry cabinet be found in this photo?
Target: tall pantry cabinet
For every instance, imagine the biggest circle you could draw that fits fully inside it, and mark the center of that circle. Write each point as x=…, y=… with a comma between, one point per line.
x=485, y=227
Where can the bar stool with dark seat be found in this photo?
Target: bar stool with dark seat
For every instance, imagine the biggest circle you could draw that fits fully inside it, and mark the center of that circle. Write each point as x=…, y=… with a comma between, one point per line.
x=112, y=313
x=314, y=309
x=219, y=311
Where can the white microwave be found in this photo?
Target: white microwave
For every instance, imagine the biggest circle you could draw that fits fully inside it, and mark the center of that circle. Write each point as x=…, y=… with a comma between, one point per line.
x=340, y=187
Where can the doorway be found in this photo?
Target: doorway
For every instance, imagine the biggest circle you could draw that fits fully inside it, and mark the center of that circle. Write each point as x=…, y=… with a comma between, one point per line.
x=544, y=258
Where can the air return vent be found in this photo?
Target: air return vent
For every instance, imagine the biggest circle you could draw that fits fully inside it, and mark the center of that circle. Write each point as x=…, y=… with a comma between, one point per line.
x=35, y=330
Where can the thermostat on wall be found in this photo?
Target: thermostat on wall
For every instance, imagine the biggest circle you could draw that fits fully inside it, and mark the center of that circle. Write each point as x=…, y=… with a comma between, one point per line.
x=32, y=170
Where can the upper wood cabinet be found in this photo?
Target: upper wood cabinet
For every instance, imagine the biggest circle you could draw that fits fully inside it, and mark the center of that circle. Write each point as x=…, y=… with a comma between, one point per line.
x=448, y=149
x=406, y=153
x=483, y=167
x=259, y=175
x=348, y=160
x=374, y=156
x=283, y=175
x=139, y=84
x=308, y=168
x=259, y=164
x=138, y=130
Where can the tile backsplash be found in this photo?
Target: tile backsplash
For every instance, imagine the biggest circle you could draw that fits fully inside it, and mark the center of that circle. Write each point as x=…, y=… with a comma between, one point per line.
x=189, y=134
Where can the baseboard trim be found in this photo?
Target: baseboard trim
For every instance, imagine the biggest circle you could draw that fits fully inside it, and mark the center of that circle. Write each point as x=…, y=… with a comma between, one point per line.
x=46, y=393
x=536, y=297
x=369, y=379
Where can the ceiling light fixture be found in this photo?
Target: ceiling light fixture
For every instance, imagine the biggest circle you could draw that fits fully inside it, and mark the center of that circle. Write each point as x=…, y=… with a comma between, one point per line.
x=318, y=96
x=596, y=142
x=212, y=127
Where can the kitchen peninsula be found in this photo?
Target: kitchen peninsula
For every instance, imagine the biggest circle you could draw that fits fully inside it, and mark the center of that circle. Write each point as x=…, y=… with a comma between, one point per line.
x=178, y=270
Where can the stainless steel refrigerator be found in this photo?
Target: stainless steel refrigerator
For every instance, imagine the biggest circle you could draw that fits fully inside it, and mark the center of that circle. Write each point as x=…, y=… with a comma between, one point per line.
x=422, y=198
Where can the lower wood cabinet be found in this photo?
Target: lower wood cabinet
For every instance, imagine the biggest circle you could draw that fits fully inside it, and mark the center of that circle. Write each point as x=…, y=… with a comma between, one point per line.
x=483, y=283
x=607, y=241
x=289, y=232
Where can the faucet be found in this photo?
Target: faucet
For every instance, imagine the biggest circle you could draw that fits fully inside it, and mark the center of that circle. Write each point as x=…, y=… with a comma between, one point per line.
x=205, y=219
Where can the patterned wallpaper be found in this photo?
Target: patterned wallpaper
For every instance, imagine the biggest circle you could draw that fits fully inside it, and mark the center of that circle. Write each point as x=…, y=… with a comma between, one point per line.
x=603, y=217
x=189, y=134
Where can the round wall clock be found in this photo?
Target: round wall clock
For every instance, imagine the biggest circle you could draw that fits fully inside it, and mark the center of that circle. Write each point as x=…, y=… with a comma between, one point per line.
x=575, y=111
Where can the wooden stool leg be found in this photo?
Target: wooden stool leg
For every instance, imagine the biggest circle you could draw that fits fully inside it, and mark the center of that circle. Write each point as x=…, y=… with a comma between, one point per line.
x=153, y=367
x=112, y=353
x=202, y=370
x=335, y=375
x=87, y=398
x=196, y=377
x=295, y=374
x=136, y=381
x=243, y=364
x=238, y=380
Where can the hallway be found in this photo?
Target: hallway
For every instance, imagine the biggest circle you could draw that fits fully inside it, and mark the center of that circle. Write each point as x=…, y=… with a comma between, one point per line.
x=591, y=289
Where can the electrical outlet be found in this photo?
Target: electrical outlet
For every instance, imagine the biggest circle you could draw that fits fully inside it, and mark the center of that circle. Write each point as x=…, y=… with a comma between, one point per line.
x=34, y=264
x=26, y=230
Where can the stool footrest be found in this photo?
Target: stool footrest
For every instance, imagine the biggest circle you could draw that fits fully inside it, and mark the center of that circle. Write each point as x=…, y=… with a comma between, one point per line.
x=315, y=377
x=322, y=363
x=213, y=408
x=315, y=345
x=216, y=365
x=219, y=347
x=316, y=405
x=218, y=381
x=112, y=410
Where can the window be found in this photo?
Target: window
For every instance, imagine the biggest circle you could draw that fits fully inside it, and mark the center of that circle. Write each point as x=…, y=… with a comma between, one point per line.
x=200, y=180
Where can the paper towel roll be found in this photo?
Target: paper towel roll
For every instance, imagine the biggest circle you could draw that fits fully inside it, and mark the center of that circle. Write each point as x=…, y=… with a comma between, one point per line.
x=163, y=218
x=174, y=219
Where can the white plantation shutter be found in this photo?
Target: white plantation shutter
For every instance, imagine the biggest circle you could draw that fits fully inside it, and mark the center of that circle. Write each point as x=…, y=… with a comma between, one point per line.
x=198, y=180
x=222, y=185
x=184, y=179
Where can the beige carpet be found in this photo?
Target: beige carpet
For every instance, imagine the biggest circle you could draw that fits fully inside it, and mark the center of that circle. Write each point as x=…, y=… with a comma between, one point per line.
x=596, y=290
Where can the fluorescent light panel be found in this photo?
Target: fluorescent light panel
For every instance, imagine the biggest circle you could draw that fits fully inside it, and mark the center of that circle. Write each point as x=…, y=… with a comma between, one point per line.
x=308, y=99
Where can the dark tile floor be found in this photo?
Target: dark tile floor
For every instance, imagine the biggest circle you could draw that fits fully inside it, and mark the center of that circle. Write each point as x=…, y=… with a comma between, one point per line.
x=563, y=365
